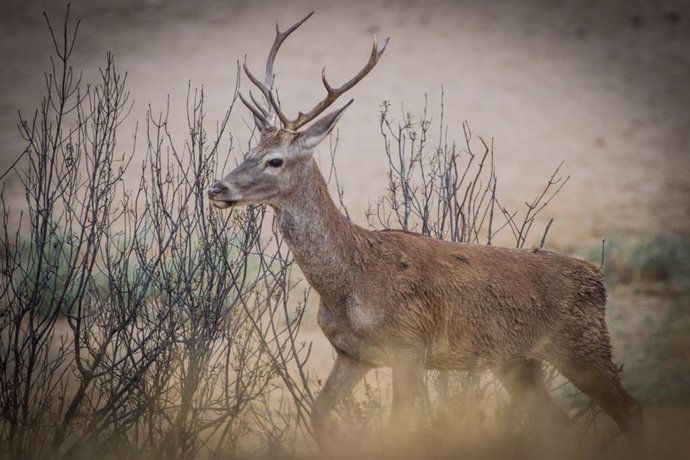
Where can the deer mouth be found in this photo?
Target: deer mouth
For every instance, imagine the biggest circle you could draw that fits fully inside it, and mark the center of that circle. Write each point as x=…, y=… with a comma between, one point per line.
x=223, y=204
x=217, y=197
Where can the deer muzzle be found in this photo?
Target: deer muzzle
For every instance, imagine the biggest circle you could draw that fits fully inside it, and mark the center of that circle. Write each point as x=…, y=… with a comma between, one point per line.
x=218, y=194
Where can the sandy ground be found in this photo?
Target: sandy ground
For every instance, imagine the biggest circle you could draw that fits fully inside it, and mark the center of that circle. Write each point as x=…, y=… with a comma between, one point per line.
x=602, y=86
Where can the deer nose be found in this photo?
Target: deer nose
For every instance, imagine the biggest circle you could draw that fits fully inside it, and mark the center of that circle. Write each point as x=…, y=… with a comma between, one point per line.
x=217, y=189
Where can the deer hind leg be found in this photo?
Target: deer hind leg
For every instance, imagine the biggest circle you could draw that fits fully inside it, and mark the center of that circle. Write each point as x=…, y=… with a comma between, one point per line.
x=524, y=381
x=591, y=369
x=346, y=373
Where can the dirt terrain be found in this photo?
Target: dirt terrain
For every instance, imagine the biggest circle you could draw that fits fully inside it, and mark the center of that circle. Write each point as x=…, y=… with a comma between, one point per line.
x=601, y=86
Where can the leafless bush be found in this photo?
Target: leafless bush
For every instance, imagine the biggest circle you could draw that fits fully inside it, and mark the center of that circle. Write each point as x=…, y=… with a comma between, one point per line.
x=446, y=190
x=138, y=322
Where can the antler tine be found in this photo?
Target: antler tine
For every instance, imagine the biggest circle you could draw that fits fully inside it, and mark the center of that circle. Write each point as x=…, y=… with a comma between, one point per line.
x=257, y=111
x=266, y=86
x=258, y=105
x=266, y=90
x=280, y=38
x=334, y=93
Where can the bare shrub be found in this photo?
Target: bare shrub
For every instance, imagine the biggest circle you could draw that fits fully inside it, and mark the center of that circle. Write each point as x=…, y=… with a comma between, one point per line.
x=136, y=322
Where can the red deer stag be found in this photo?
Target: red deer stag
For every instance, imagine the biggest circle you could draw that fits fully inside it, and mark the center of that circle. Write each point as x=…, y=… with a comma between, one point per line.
x=410, y=302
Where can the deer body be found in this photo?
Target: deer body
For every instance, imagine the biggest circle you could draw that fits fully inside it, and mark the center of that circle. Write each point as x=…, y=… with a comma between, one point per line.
x=386, y=294
x=398, y=299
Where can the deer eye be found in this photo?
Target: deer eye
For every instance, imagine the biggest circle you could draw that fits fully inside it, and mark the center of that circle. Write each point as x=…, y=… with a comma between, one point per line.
x=275, y=163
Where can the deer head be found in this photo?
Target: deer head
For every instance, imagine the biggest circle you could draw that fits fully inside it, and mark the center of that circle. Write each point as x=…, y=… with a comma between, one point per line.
x=273, y=167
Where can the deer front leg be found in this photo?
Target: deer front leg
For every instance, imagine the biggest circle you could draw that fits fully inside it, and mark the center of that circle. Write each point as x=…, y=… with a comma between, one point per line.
x=343, y=377
x=407, y=386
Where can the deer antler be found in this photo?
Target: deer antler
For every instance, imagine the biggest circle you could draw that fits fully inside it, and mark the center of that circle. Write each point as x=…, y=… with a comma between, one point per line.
x=334, y=93
x=267, y=115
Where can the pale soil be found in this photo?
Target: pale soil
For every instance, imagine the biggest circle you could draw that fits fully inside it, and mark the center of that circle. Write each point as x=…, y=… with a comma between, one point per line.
x=600, y=86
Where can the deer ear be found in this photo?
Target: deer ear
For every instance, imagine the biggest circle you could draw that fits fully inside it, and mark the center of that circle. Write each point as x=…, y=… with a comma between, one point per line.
x=311, y=137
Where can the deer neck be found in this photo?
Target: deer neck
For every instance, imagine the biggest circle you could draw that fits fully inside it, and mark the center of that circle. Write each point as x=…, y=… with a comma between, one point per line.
x=323, y=241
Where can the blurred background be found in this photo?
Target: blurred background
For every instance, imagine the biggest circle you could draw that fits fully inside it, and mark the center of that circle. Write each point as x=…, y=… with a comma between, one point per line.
x=602, y=86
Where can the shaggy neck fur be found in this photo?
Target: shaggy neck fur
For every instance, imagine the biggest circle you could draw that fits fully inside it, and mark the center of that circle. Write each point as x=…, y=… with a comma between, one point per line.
x=320, y=237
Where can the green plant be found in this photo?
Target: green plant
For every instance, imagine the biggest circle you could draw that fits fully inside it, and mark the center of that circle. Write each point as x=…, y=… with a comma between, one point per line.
x=664, y=257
